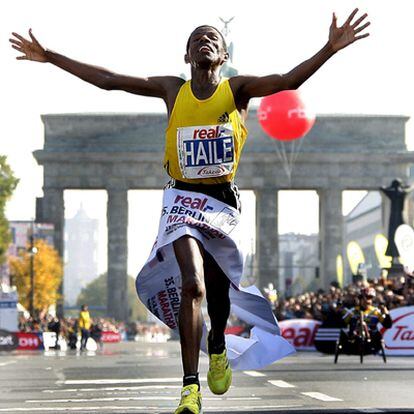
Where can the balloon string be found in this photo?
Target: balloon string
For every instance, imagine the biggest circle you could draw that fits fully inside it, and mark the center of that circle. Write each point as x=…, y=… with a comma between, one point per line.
x=281, y=152
x=298, y=149
x=292, y=154
x=276, y=145
x=288, y=166
x=286, y=163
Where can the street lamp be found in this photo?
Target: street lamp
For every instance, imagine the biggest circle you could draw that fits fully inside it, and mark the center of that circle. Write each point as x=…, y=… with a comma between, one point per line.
x=32, y=252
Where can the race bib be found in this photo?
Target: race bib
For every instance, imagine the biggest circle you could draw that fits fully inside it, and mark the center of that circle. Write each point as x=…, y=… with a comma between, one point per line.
x=205, y=151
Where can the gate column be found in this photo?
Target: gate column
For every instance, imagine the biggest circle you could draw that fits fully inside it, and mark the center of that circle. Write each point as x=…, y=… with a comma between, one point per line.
x=117, y=219
x=267, y=257
x=330, y=234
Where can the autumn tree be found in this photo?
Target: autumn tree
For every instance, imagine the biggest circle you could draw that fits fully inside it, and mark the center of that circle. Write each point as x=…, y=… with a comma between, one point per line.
x=95, y=294
x=47, y=270
x=7, y=185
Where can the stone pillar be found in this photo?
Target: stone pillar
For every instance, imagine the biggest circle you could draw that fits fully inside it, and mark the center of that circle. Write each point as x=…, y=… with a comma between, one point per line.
x=117, y=220
x=410, y=209
x=267, y=257
x=330, y=233
x=51, y=209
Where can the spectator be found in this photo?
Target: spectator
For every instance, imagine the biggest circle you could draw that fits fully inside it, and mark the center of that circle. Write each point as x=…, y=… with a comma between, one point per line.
x=84, y=325
x=54, y=326
x=96, y=333
x=72, y=333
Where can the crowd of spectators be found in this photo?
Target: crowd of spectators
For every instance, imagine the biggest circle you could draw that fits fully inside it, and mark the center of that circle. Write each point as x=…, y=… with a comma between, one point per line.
x=148, y=332
x=319, y=305
x=45, y=323
x=390, y=293
x=68, y=328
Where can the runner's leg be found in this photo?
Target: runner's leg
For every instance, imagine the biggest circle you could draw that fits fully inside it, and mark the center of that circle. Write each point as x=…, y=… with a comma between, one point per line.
x=189, y=254
x=218, y=301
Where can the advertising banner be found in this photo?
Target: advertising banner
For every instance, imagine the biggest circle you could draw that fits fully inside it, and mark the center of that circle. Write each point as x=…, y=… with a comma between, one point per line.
x=8, y=340
x=110, y=336
x=30, y=341
x=300, y=333
x=399, y=339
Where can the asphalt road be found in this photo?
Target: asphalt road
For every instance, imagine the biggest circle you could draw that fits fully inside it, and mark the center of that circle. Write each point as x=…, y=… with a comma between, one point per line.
x=146, y=378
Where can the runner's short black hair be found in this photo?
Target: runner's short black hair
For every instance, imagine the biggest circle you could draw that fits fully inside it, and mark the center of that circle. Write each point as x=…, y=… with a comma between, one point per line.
x=212, y=27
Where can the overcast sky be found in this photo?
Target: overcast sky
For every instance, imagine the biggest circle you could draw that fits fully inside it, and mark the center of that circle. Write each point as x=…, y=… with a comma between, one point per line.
x=373, y=76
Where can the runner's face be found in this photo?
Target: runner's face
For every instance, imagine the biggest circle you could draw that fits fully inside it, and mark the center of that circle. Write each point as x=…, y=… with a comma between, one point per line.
x=206, y=48
x=366, y=301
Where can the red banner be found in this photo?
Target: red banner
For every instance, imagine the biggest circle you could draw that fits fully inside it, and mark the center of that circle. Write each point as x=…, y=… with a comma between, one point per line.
x=110, y=336
x=30, y=341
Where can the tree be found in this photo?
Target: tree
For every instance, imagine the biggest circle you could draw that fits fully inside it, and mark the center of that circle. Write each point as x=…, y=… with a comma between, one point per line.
x=48, y=272
x=95, y=294
x=7, y=185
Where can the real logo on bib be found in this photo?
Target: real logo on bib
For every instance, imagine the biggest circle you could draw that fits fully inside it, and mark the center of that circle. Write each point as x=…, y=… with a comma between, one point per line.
x=206, y=151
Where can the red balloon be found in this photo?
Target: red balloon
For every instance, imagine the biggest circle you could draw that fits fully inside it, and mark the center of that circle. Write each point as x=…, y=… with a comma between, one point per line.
x=283, y=116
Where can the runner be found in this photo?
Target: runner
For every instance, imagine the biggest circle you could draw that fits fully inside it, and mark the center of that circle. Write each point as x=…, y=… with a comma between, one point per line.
x=196, y=242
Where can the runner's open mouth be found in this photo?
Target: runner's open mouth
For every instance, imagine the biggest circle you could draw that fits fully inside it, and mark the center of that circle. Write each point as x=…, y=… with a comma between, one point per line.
x=205, y=48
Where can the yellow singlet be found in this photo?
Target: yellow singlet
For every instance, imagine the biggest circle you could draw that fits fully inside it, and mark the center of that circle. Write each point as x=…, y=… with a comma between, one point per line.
x=204, y=137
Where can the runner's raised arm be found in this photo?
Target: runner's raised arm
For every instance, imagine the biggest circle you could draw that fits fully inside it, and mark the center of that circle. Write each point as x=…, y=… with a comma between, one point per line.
x=247, y=87
x=156, y=86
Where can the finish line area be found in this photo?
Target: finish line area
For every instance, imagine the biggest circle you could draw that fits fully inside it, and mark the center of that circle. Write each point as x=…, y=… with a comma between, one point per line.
x=133, y=377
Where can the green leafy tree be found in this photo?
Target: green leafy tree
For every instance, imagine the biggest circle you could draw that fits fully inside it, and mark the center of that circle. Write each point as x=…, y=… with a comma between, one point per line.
x=8, y=183
x=95, y=294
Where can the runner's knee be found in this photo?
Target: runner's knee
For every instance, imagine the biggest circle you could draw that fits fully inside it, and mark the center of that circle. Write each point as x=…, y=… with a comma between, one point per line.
x=193, y=288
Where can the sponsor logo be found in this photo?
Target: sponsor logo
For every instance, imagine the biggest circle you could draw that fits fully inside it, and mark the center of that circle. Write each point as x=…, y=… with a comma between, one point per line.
x=8, y=340
x=401, y=334
x=298, y=113
x=195, y=203
x=209, y=171
x=226, y=220
x=224, y=118
x=110, y=336
x=300, y=332
x=29, y=341
x=208, y=133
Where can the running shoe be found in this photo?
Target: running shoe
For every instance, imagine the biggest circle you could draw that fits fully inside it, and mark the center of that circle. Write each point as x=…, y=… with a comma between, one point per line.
x=219, y=374
x=190, y=400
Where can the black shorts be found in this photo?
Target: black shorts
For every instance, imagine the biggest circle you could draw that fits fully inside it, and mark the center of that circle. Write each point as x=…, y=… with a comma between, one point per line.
x=226, y=192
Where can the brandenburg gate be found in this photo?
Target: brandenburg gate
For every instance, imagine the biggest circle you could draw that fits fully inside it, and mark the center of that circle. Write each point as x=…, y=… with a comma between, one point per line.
x=121, y=152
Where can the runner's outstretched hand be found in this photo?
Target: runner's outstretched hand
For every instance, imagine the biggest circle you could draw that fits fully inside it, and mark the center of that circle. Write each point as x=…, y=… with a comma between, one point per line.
x=340, y=37
x=32, y=50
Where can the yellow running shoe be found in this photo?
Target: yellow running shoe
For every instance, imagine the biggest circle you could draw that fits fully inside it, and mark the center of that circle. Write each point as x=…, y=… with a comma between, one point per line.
x=190, y=400
x=219, y=375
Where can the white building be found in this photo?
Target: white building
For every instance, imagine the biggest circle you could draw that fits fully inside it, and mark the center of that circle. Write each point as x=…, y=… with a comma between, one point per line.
x=81, y=254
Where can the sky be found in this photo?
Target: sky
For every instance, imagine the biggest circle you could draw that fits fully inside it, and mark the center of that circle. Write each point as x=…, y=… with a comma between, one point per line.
x=372, y=76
